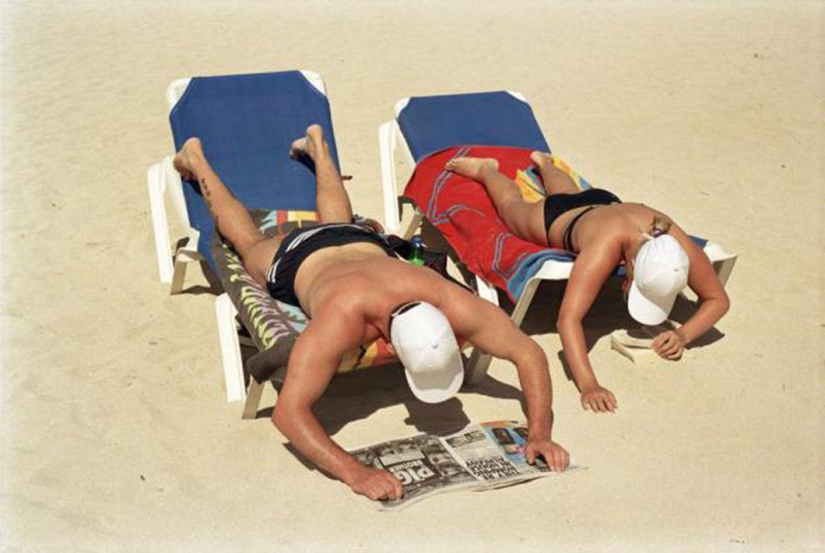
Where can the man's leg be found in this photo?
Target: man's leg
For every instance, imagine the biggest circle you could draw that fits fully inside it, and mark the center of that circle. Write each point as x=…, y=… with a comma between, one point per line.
x=524, y=219
x=231, y=217
x=331, y=200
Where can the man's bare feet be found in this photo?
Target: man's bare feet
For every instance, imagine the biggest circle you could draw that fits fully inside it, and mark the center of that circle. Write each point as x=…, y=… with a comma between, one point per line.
x=188, y=158
x=309, y=145
x=472, y=167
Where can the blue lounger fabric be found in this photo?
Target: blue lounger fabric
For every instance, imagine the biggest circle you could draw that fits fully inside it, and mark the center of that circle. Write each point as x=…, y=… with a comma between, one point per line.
x=433, y=123
x=247, y=124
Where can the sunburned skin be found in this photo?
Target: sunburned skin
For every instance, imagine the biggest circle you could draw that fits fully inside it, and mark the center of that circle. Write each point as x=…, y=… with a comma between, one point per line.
x=350, y=292
x=330, y=281
x=604, y=237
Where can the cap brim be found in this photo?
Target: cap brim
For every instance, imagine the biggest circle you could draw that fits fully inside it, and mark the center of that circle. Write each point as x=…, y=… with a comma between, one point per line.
x=647, y=311
x=435, y=387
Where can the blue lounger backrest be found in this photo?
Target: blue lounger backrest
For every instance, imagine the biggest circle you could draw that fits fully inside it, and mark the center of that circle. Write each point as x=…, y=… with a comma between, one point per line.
x=432, y=123
x=247, y=124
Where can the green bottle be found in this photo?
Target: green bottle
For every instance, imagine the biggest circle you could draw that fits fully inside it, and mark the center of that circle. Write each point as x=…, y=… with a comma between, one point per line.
x=417, y=255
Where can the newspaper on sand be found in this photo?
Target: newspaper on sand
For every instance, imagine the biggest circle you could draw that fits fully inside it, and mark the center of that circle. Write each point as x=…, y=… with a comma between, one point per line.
x=479, y=457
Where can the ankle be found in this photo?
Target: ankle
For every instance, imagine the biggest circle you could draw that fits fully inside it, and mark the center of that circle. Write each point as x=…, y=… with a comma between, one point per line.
x=487, y=170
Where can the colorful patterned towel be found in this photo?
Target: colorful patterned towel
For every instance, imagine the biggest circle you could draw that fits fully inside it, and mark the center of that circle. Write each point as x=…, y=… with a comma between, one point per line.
x=272, y=325
x=463, y=212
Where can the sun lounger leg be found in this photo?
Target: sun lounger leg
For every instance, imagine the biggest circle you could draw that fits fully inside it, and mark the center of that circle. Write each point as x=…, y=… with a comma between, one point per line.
x=415, y=223
x=178, y=276
x=230, y=348
x=156, y=185
x=253, y=399
x=724, y=269
x=525, y=300
x=386, y=144
x=477, y=367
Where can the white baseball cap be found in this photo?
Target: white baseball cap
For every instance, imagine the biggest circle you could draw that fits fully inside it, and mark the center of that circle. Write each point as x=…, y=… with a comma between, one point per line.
x=426, y=345
x=660, y=273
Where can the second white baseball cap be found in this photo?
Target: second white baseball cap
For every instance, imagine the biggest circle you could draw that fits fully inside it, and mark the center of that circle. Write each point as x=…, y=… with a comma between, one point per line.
x=660, y=273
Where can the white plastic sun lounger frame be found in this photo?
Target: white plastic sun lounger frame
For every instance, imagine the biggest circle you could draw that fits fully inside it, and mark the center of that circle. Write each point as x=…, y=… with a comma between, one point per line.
x=391, y=140
x=163, y=181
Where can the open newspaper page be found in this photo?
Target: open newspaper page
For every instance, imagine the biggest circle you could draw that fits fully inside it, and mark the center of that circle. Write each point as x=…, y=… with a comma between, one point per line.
x=422, y=464
x=493, y=452
x=481, y=456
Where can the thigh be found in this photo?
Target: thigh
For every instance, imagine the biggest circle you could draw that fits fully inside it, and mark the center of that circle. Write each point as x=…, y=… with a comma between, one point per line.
x=526, y=220
x=557, y=181
x=258, y=257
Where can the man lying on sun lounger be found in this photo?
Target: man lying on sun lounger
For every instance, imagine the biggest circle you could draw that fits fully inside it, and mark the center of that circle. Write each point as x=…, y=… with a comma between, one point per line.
x=349, y=282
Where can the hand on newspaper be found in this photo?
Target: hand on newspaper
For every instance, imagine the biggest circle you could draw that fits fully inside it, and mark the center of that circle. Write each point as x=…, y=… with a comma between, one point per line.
x=599, y=400
x=554, y=455
x=376, y=484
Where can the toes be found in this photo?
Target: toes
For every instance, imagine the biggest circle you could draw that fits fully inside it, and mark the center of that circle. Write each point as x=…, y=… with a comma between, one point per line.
x=298, y=147
x=542, y=159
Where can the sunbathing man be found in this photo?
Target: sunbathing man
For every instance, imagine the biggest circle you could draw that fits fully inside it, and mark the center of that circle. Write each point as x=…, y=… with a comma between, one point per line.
x=605, y=232
x=354, y=290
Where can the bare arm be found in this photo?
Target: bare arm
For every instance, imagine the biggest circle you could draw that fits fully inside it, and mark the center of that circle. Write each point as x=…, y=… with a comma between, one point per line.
x=488, y=328
x=312, y=364
x=590, y=271
x=713, y=300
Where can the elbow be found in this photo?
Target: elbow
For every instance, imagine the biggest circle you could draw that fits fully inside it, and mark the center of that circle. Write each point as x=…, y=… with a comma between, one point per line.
x=564, y=321
x=724, y=304
x=720, y=303
x=279, y=418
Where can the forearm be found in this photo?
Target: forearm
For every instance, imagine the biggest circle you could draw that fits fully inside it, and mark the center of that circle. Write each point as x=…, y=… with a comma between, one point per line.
x=304, y=431
x=534, y=378
x=575, y=352
x=708, y=314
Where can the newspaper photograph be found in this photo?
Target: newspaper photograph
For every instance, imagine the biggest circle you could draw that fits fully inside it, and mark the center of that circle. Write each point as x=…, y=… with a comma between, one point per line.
x=422, y=464
x=480, y=457
x=493, y=452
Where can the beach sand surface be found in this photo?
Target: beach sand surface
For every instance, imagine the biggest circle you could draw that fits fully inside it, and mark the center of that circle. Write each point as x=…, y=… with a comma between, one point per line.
x=115, y=433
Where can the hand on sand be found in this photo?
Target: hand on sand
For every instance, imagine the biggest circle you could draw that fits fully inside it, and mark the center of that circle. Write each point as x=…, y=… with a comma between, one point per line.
x=669, y=345
x=377, y=484
x=554, y=455
x=599, y=400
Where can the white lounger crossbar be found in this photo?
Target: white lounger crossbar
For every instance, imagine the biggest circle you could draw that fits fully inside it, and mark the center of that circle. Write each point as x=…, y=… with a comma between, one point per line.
x=394, y=148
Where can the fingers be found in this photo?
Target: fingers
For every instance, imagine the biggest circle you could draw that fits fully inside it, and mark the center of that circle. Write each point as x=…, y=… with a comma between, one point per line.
x=668, y=345
x=600, y=402
x=561, y=459
x=612, y=401
x=657, y=342
x=555, y=456
x=381, y=485
x=530, y=455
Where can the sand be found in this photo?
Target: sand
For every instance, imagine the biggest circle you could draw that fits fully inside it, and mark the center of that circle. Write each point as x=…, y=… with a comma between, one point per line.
x=115, y=433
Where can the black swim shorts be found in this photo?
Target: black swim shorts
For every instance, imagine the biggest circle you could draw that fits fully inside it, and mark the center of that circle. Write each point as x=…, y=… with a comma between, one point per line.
x=303, y=242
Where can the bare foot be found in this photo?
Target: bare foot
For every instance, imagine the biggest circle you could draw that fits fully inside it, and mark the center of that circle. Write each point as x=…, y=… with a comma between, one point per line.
x=472, y=167
x=309, y=144
x=542, y=159
x=555, y=180
x=188, y=157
